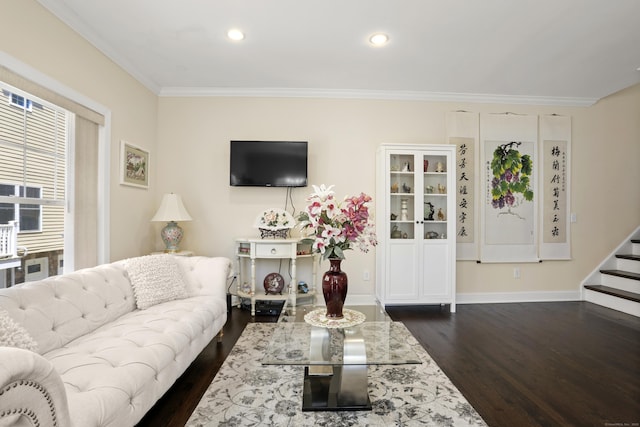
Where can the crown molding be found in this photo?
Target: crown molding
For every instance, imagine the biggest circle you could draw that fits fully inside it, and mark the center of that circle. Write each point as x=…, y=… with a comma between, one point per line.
x=375, y=95
x=68, y=17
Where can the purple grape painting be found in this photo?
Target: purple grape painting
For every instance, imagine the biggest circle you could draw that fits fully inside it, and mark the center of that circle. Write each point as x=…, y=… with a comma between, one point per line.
x=511, y=183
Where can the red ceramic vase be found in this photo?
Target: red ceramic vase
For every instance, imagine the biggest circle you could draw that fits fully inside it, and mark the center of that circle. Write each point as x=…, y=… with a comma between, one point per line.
x=334, y=289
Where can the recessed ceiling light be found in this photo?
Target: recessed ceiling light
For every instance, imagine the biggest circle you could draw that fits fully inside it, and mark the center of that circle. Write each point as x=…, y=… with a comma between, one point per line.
x=378, y=39
x=235, y=34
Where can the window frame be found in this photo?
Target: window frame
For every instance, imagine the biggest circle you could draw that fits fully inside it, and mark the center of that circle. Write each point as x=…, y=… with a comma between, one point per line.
x=14, y=98
x=17, y=207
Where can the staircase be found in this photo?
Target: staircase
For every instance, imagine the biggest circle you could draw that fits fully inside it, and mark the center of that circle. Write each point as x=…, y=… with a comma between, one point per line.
x=616, y=282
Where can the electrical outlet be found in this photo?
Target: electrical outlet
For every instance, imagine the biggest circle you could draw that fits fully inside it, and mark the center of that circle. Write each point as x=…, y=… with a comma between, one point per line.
x=365, y=275
x=516, y=273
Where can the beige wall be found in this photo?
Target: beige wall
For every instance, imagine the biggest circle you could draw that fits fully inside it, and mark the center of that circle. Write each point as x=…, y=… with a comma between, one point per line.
x=193, y=147
x=32, y=35
x=189, y=143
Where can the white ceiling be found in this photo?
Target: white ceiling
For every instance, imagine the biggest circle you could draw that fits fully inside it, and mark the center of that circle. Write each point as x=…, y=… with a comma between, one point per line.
x=566, y=52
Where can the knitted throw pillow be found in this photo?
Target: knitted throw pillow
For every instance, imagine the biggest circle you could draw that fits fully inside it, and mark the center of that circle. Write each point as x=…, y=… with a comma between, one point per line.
x=13, y=334
x=155, y=279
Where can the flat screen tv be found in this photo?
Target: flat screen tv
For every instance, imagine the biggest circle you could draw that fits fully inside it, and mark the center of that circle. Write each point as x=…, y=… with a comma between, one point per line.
x=268, y=163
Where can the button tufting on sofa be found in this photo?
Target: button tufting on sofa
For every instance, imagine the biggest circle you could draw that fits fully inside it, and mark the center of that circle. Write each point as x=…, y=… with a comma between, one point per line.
x=99, y=353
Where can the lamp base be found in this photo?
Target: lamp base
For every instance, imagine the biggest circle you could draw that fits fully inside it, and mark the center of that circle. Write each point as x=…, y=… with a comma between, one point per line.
x=171, y=236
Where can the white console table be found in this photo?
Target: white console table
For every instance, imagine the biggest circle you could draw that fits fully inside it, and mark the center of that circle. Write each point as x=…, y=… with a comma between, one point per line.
x=253, y=250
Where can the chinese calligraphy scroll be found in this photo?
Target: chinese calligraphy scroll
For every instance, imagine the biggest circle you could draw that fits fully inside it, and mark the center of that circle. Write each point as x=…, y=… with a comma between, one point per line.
x=555, y=136
x=462, y=130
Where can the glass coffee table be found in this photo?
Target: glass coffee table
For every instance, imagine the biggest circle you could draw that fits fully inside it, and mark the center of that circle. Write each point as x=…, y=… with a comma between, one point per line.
x=336, y=359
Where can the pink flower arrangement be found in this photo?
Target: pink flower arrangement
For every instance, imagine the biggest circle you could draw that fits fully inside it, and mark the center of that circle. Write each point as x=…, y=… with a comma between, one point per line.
x=334, y=227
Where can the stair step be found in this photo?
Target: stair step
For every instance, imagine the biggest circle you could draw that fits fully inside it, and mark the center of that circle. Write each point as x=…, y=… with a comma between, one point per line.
x=631, y=296
x=629, y=256
x=621, y=273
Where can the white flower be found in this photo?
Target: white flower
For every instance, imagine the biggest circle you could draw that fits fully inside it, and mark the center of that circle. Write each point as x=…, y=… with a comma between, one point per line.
x=323, y=193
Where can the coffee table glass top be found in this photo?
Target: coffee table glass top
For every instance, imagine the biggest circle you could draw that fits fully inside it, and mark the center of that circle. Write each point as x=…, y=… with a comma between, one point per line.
x=374, y=343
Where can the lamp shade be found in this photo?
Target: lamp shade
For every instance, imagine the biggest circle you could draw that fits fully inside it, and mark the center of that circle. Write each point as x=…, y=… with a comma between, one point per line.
x=171, y=209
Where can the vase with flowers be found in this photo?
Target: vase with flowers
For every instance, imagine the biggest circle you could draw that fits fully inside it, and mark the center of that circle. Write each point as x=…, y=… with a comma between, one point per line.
x=333, y=227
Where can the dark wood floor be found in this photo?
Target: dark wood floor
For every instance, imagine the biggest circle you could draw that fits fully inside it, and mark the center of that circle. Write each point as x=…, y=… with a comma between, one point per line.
x=533, y=364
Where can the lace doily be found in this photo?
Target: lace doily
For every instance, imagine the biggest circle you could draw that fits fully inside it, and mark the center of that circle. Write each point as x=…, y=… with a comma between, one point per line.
x=318, y=318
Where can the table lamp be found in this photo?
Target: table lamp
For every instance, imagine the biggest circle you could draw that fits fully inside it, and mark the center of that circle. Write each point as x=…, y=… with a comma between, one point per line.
x=171, y=210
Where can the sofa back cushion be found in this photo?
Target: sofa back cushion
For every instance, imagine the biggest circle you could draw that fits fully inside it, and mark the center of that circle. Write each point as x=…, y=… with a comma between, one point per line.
x=62, y=308
x=14, y=335
x=155, y=279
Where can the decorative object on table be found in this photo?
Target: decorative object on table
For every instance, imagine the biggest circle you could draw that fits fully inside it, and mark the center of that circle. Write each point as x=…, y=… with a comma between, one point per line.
x=405, y=235
x=350, y=318
x=431, y=235
x=303, y=288
x=395, y=233
x=406, y=188
x=442, y=189
x=406, y=167
x=273, y=284
x=426, y=165
x=404, y=212
x=246, y=288
x=334, y=289
x=394, y=187
x=440, y=214
x=393, y=216
x=134, y=165
x=171, y=210
x=429, y=189
x=333, y=228
x=439, y=167
x=274, y=222
x=429, y=216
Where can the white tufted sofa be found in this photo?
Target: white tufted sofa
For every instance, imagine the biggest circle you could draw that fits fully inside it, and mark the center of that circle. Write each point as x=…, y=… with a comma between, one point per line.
x=100, y=360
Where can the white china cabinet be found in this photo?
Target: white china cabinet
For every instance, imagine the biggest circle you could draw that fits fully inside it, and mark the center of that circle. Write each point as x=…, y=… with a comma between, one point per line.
x=415, y=223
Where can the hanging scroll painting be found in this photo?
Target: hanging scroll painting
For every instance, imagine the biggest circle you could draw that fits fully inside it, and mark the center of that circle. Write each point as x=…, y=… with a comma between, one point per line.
x=509, y=207
x=462, y=131
x=555, y=137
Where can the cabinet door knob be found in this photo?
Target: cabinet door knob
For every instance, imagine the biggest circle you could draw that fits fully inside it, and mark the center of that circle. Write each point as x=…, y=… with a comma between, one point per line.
x=273, y=251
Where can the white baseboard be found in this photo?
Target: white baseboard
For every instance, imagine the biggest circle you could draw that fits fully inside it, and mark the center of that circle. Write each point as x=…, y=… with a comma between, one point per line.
x=506, y=297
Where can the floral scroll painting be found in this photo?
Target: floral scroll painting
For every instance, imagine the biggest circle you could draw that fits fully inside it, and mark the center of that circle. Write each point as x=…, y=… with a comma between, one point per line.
x=509, y=207
x=510, y=199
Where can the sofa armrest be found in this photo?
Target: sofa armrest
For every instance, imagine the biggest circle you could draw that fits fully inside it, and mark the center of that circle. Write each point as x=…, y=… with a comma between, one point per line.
x=31, y=391
x=206, y=275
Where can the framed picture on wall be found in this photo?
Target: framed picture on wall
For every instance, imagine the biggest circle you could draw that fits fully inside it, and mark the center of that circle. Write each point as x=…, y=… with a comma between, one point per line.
x=134, y=165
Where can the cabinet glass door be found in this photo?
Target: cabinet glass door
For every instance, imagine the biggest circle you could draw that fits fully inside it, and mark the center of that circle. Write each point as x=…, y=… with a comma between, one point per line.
x=402, y=196
x=435, y=193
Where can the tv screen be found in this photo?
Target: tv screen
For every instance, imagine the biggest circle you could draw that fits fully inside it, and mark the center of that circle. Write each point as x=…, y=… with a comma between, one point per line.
x=268, y=163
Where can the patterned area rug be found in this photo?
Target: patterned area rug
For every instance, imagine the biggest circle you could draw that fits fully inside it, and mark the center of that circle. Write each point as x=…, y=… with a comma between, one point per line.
x=246, y=393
